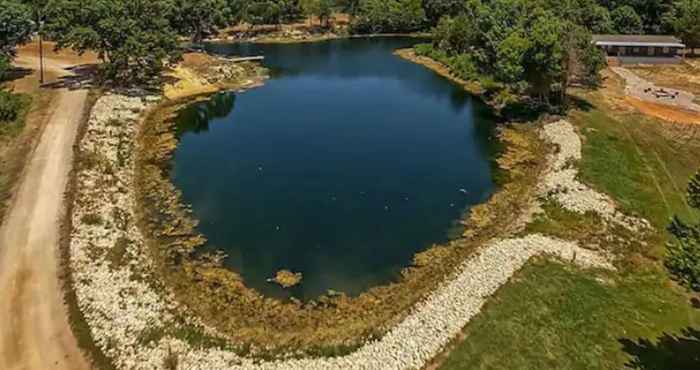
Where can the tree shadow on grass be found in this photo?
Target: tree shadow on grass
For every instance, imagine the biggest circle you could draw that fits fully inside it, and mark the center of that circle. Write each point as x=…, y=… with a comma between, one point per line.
x=16, y=73
x=580, y=103
x=695, y=302
x=668, y=352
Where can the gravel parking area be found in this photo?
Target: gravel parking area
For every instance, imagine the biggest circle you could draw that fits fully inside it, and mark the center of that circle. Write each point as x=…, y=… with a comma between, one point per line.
x=642, y=89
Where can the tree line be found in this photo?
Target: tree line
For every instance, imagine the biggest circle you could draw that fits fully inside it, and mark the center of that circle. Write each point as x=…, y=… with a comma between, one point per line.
x=510, y=40
x=531, y=51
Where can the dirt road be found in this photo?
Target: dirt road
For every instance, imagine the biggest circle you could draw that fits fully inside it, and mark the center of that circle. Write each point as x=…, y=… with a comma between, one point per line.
x=34, y=332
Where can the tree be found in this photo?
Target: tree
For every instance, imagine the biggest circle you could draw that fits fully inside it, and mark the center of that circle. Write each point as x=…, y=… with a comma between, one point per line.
x=683, y=258
x=5, y=66
x=386, y=16
x=528, y=48
x=133, y=38
x=510, y=57
x=626, y=20
x=10, y=106
x=350, y=7
x=199, y=18
x=235, y=11
x=684, y=21
x=649, y=11
x=456, y=35
x=322, y=9
x=262, y=12
x=436, y=9
x=16, y=27
x=586, y=13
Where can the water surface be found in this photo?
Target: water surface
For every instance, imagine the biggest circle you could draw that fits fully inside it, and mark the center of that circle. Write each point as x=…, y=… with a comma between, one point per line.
x=347, y=162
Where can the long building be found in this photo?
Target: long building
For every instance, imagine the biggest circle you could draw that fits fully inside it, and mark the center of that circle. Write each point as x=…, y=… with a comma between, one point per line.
x=641, y=48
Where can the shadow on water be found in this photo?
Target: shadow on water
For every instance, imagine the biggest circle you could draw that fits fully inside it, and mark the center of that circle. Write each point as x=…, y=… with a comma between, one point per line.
x=196, y=118
x=668, y=352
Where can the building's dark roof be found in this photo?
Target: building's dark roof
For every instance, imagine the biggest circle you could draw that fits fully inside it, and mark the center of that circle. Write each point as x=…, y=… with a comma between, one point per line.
x=638, y=40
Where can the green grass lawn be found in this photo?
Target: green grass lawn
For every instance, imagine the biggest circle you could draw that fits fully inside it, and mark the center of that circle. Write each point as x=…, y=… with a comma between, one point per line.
x=643, y=164
x=554, y=316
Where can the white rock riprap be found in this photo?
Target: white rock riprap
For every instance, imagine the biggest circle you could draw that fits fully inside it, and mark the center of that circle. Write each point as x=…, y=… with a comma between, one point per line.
x=431, y=325
x=561, y=180
x=114, y=298
x=121, y=299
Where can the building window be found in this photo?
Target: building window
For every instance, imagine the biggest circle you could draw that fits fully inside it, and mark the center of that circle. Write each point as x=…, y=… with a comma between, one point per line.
x=667, y=50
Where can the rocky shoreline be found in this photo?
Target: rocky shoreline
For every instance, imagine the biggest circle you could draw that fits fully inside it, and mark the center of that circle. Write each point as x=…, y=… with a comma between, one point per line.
x=125, y=302
x=561, y=181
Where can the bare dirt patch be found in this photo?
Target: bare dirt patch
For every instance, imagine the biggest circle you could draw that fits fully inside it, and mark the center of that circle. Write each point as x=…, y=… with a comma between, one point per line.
x=201, y=74
x=664, y=112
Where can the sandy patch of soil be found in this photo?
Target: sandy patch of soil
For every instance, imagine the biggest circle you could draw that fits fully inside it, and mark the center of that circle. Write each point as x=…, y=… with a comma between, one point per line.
x=664, y=112
x=201, y=74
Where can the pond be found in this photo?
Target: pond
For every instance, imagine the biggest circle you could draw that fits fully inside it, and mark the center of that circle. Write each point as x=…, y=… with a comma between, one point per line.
x=347, y=162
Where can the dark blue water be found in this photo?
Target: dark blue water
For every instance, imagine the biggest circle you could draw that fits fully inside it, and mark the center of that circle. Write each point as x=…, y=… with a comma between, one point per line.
x=343, y=166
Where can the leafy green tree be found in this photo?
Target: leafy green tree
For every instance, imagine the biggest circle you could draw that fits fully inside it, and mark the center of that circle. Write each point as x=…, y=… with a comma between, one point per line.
x=528, y=48
x=586, y=13
x=684, y=21
x=386, y=16
x=199, y=18
x=626, y=20
x=10, y=106
x=16, y=27
x=649, y=11
x=683, y=258
x=5, y=66
x=510, y=57
x=546, y=56
x=263, y=12
x=596, y=18
x=456, y=35
x=321, y=9
x=588, y=61
x=133, y=38
x=350, y=7
x=235, y=11
x=436, y=9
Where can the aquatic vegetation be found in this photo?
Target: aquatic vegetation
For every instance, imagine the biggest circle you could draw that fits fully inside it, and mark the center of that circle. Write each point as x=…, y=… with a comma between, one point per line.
x=287, y=279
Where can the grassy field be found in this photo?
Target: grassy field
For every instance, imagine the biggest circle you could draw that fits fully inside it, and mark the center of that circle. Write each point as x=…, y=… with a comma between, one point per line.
x=554, y=316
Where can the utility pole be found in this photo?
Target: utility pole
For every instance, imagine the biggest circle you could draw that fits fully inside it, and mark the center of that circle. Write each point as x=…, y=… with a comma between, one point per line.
x=41, y=59
x=38, y=13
